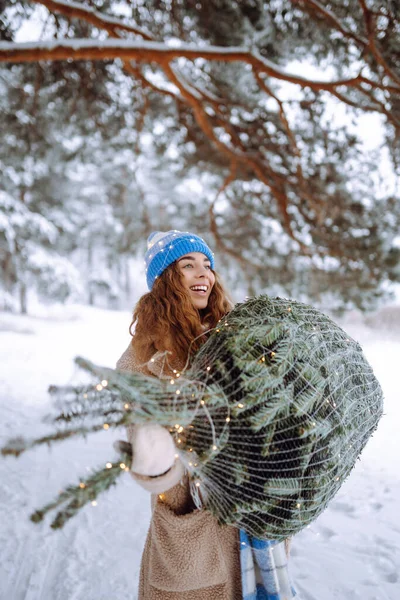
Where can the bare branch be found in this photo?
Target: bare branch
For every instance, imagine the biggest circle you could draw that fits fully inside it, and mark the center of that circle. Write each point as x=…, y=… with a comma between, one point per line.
x=219, y=240
x=370, y=27
x=317, y=7
x=85, y=49
x=262, y=170
x=112, y=25
x=135, y=52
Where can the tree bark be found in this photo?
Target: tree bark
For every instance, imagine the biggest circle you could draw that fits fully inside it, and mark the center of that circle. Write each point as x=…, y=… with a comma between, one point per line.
x=23, y=298
x=90, y=269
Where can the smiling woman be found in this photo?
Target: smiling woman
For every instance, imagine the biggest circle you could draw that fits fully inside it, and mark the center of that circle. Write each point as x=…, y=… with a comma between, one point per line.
x=197, y=277
x=186, y=297
x=188, y=553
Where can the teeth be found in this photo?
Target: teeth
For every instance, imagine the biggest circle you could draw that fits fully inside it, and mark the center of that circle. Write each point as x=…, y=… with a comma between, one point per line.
x=199, y=288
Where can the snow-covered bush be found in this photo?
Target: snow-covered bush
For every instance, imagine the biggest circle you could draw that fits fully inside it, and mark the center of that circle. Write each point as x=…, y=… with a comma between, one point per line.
x=27, y=249
x=54, y=276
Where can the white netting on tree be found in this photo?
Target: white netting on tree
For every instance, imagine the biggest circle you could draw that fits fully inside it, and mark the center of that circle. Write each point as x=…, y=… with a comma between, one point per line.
x=290, y=401
x=269, y=419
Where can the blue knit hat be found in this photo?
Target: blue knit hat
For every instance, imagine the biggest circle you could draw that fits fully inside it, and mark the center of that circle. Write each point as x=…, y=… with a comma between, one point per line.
x=165, y=247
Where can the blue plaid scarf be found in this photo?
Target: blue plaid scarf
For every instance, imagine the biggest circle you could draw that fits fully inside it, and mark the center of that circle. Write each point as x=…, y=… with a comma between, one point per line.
x=264, y=569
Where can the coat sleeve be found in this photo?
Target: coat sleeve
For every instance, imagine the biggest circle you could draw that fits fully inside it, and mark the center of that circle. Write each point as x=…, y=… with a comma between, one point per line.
x=127, y=362
x=155, y=366
x=161, y=483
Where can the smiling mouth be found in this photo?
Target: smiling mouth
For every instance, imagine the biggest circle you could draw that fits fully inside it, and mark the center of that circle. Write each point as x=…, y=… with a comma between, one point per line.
x=199, y=289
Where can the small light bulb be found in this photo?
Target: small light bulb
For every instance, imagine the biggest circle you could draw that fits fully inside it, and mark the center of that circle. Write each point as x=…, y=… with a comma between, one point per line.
x=99, y=387
x=106, y=426
x=240, y=405
x=122, y=465
x=172, y=381
x=227, y=419
x=214, y=447
x=82, y=485
x=109, y=465
x=197, y=483
x=178, y=392
x=104, y=383
x=94, y=503
x=126, y=406
x=208, y=368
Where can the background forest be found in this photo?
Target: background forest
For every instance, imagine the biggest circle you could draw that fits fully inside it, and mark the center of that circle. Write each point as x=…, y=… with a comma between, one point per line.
x=270, y=128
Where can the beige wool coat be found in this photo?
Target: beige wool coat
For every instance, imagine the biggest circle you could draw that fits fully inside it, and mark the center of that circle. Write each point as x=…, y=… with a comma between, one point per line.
x=187, y=554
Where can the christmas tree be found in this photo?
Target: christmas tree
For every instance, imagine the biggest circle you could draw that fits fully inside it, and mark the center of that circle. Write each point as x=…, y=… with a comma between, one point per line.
x=269, y=418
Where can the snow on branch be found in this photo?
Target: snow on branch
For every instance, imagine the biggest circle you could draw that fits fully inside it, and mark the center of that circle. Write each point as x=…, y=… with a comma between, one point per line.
x=127, y=49
x=137, y=48
x=77, y=10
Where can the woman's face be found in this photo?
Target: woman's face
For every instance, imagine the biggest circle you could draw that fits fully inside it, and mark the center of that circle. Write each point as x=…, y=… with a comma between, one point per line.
x=197, y=277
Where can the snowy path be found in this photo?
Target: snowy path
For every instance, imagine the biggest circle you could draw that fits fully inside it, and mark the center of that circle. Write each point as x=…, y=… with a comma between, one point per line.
x=351, y=552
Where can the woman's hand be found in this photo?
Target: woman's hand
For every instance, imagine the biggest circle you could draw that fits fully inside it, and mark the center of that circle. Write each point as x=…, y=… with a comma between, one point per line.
x=152, y=448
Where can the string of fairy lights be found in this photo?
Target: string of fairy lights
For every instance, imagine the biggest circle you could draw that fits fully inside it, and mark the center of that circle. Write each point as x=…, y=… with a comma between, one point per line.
x=268, y=419
x=179, y=429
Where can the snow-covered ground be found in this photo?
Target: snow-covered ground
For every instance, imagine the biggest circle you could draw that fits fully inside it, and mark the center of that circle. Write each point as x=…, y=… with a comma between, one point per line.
x=351, y=552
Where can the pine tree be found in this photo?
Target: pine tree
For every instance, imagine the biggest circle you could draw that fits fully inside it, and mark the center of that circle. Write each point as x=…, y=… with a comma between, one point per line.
x=269, y=418
x=286, y=184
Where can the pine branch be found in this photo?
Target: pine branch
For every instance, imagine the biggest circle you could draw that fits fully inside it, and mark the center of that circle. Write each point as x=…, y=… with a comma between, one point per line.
x=147, y=50
x=112, y=25
x=269, y=419
x=18, y=445
x=87, y=491
x=372, y=43
x=87, y=49
x=313, y=5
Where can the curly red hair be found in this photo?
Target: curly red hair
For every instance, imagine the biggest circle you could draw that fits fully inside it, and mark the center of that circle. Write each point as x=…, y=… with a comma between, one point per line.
x=166, y=319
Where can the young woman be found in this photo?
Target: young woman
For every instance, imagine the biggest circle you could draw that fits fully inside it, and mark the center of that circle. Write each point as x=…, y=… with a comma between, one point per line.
x=187, y=555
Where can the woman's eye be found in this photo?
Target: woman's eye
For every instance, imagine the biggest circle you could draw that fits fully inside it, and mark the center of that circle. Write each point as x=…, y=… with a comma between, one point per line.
x=192, y=266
